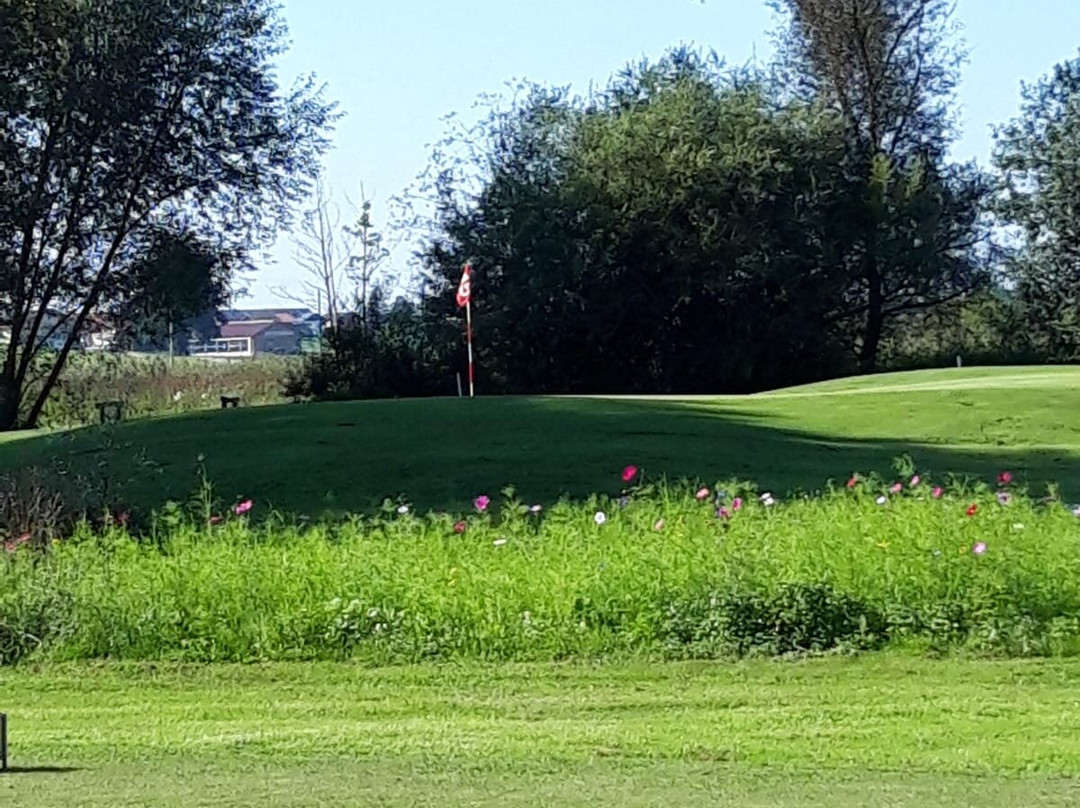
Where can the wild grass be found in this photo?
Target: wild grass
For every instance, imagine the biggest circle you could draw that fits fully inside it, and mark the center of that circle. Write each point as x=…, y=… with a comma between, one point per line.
x=655, y=573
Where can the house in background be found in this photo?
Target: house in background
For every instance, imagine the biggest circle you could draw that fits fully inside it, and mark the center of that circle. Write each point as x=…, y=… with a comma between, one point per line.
x=245, y=333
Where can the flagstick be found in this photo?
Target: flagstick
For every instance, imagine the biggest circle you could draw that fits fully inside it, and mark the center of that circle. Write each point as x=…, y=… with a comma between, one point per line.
x=468, y=320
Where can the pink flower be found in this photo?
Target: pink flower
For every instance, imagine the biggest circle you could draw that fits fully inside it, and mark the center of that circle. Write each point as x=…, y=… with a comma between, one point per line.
x=481, y=503
x=122, y=518
x=915, y=481
x=736, y=504
x=896, y=489
x=979, y=548
x=216, y=520
x=974, y=509
x=1005, y=478
x=938, y=492
x=703, y=494
x=852, y=483
x=659, y=526
x=460, y=527
x=243, y=507
x=723, y=513
x=629, y=473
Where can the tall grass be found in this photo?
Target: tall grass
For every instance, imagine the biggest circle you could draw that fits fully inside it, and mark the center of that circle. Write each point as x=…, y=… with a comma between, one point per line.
x=152, y=385
x=664, y=575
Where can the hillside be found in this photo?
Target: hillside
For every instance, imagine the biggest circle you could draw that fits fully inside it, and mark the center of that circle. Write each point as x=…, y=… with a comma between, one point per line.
x=328, y=458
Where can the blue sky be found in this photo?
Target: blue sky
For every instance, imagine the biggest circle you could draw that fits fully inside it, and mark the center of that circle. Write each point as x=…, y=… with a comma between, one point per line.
x=398, y=66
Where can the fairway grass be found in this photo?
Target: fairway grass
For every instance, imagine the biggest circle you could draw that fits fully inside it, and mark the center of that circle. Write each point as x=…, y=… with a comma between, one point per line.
x=330, y=459
x=880, y=731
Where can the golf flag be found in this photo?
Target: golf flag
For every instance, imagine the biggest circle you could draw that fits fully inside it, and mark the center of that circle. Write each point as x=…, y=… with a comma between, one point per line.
x=464, y=292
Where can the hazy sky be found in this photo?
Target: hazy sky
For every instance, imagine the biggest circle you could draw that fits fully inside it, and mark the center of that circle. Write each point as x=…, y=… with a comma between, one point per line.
x=398, y=66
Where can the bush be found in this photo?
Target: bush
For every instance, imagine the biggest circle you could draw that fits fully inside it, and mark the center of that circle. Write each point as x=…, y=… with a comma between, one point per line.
x=658, y=573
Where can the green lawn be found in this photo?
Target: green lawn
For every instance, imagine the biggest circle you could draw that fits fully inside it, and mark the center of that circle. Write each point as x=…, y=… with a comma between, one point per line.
x=330, y=458
x=841, y=732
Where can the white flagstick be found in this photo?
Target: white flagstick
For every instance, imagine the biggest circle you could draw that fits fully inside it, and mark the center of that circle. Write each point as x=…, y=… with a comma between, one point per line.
x=468, y=320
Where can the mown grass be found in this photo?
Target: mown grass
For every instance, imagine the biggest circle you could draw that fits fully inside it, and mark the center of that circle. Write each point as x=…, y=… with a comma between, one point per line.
x=663, y=575
x=334, y=459
x=879, y=731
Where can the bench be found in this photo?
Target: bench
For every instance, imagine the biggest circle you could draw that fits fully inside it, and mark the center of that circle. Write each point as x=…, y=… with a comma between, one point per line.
x=110, y=412
x=230, y=401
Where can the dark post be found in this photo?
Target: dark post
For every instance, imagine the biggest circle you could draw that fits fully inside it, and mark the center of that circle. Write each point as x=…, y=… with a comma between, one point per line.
x=3, y=742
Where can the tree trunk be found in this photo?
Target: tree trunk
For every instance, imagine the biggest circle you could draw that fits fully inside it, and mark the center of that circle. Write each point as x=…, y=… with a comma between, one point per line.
x=9, y=402
x=875, y=318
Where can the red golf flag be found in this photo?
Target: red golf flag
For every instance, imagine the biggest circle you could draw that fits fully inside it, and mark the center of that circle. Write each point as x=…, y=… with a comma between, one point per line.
x=464, y=292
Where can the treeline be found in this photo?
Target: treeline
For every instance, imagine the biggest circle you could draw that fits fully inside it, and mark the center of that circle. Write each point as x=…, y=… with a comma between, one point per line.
x=697, y=229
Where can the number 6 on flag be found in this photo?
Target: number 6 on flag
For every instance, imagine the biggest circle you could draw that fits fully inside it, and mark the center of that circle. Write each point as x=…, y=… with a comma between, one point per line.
x=464, y=292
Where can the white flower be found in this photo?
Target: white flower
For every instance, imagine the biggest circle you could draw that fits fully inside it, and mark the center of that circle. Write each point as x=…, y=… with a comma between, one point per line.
x=536, y=509
x=404, y=509
x=1018, y=526
x=882, y=500
x=500, y=542
x=600, y=517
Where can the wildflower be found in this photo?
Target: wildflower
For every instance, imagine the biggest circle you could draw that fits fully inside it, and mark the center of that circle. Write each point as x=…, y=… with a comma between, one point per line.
x=243, y=507
x=600, y=517
x=481, y=503
x=736, y=504
x=216, y=520
x=915, y=481
x=122, y=518
x=535, y=509
x=974, y=509
x=1005, y=478
x=884, y=545
x=1004, y=498
x=882, y=500
x=979, y=548
x=767, y=500
x=500, y=542
x=1018, y=526
x=938, y=492
x=659, y=526
x=629, y=473
x=404, y=509
x=852, y=483
x=703, y=494
x=896, y=489
x=1076, y=512
x=624, y=501
x=723, y=513
x=460, y=527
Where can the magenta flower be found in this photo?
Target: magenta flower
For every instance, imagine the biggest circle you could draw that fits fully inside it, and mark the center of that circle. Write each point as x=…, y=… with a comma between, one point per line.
x=1005, y=478
x=736, y=504
x=896, y=489
x=723, y=513
x=629, y=473
x=481, y=503
x=915, y=481
x=939, y=492
x=980, y=548
x=703, y=494
x=243, y=507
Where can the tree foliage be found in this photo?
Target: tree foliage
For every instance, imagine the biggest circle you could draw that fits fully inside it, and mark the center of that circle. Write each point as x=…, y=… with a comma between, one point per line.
x=1038, y=156
x=124, y=117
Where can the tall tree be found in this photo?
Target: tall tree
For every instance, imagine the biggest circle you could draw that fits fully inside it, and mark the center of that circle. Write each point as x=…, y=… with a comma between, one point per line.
x=889, y=69
x=122, y=117
x=1038, y=156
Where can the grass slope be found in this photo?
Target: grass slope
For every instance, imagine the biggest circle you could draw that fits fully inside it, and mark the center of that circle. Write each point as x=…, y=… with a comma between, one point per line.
x=329, y=458
x=839, y=732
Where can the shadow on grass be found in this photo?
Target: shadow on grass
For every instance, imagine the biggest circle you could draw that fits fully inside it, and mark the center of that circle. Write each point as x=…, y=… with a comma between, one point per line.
x=39, y=770
x=323, y=460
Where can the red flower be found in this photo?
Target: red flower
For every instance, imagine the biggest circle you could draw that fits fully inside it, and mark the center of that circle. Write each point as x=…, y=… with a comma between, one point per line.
x=1005, y=478
x=974, y=509
x=854, y=481
x=459, y=527
x=629, y=473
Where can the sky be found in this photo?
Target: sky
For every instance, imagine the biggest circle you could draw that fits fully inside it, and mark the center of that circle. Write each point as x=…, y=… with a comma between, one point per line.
x=398, y=67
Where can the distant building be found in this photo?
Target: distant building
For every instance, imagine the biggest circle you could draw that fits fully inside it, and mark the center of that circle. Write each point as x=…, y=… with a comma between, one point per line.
x=245, y=333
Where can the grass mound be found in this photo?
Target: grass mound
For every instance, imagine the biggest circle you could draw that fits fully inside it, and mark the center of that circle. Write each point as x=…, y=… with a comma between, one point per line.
x=668, y=571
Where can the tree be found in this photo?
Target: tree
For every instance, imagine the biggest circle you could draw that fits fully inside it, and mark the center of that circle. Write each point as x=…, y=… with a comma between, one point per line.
x=889, y=69
x=178, y=279
x=1038, y=157
x=122, y=118
x=369, y=255
x=674, y=233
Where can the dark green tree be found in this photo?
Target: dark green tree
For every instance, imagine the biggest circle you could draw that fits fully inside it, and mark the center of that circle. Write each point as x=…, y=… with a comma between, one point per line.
x=120, y=118
x=1038, y=157
x=889, y=69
